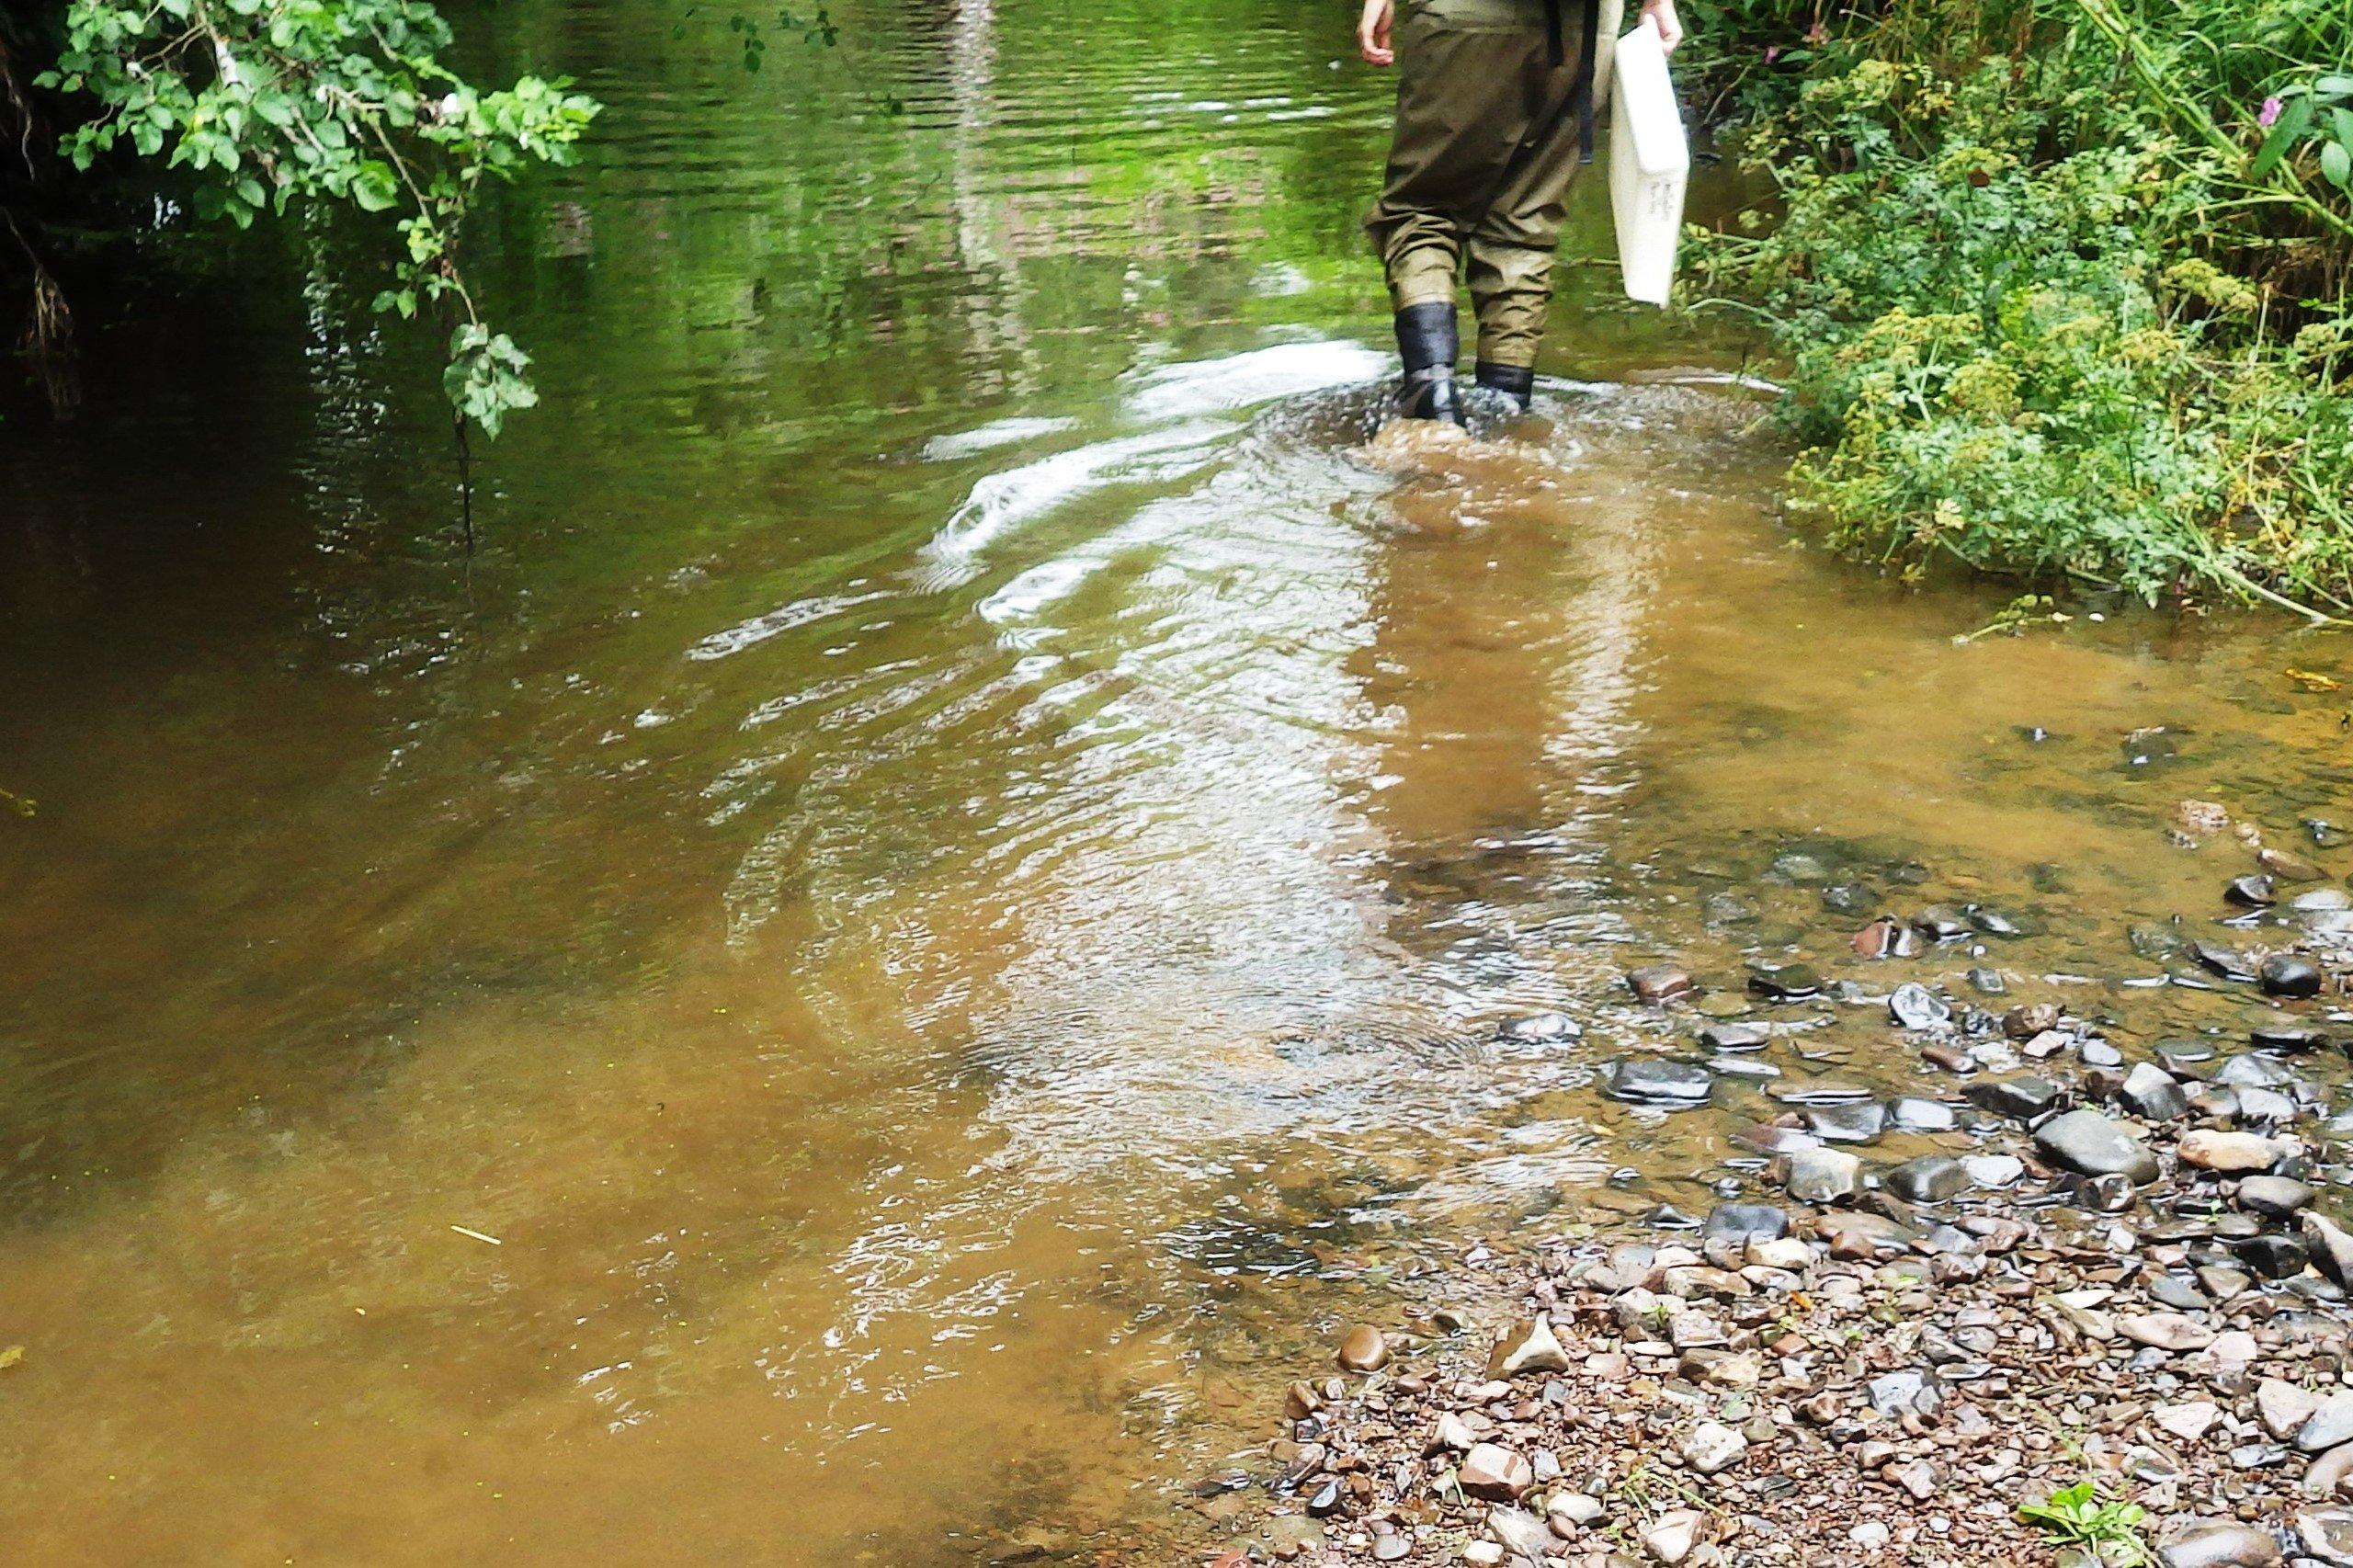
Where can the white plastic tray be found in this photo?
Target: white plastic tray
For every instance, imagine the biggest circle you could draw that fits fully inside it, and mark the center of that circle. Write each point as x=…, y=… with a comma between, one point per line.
x=1650, y=161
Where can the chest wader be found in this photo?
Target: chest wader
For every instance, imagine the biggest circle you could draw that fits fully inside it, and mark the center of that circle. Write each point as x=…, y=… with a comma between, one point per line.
x=1494, y=114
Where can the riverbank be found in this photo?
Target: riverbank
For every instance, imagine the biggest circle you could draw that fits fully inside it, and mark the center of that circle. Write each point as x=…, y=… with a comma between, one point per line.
x=2119, y=1266
x=2057, y=289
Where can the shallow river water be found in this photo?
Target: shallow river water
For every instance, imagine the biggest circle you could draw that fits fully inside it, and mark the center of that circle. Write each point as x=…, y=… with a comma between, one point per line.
x=880, y=966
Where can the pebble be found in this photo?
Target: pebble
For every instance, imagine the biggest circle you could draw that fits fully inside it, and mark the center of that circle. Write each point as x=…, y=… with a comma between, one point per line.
x=2152, y=1094
x=2288, y=974
x=1915, y=1006
x=2226, y=1152
x=1655, y=1080
x=1495, y=1473
x=1671, y=1540
x=1661, y=983
x=1931, y=1178
x=1821, y=1175
x=1366, y=1350
x=2022, y=1097
x=2275, y=1197
x=2218, y=1543
x=1711, y=1447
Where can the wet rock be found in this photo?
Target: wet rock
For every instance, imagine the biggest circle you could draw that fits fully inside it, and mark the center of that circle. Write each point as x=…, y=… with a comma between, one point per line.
x=2025, y=1022
x=1994, y=1171
x=1931, y=1178
x=2184, y=1058
x=1988, y=981
x=2289, y=868
x=1821, y=1175
x=1711, y=1447
x=1860, y=1122
x=2254, y=892
x=2152, y=1094
x=1915, y=1006
x=1943, y=923
x=1366, y=1350
x=2227, y=1153
x=1745, y=1222
x=1784, y=981
x=1734, y=1037
x=2289, y=974
x=2090, y=1143
x=1661, y=983
x=1495, y=1473
x=2217, y=1543
x=2226, y=961
x=1913, y=1114
x=1536, y=1028
x=2275, y=1197
x=1655, y=1080
x=2021, y=1098
x=1885, y=938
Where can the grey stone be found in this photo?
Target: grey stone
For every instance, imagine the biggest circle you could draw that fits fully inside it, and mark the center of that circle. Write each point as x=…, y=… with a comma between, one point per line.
x=1931, y=1178
x=1655, y=1080
x=2150, y=1093
x=2088, y=1141
x=2020, y=1098
x=1861, y=1121
x=1821, y=1175
x=2277, y=1196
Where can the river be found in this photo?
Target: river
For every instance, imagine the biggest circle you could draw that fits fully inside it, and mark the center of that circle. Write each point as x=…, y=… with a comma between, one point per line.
x=862, y=980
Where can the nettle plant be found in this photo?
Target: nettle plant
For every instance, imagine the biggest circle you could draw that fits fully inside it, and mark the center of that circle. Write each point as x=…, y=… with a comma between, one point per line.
x=269, y=103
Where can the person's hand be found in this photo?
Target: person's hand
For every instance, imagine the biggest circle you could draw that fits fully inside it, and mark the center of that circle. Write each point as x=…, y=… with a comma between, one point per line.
x=1372, y=31
x=1662, y=12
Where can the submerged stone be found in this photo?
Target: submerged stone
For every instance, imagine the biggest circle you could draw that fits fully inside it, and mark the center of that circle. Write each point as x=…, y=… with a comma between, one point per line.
x=1655, y=1080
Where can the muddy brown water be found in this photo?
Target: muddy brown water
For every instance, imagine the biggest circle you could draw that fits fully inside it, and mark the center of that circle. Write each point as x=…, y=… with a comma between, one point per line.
x=932, y=908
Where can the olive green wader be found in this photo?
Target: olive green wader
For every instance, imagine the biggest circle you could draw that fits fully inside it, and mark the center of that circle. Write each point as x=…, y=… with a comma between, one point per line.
x=1493, y=115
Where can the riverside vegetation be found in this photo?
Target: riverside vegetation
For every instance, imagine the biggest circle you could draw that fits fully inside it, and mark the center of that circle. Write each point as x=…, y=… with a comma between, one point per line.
x=2060, y=286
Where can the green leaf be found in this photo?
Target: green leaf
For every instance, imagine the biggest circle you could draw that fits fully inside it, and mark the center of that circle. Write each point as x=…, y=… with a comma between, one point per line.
x=2291, y=124
x=2337, y=163
x=374, y=187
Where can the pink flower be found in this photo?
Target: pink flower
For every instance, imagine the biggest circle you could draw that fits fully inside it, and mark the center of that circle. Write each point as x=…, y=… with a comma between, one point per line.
x=2268, y=113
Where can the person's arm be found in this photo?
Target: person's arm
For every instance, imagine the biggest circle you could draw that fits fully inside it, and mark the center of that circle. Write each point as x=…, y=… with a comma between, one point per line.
x=1670, y=26
x=1372, y=33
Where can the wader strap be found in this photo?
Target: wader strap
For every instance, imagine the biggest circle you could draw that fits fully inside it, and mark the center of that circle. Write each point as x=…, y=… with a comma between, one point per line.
x=1583, y=92
x=1553, y=51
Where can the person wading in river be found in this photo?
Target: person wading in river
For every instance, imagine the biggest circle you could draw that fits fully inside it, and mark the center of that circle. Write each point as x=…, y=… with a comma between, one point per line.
x=1494, y=113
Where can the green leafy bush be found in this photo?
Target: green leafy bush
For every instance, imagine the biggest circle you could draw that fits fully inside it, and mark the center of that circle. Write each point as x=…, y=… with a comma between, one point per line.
x=265, y=104
x=2010, y=341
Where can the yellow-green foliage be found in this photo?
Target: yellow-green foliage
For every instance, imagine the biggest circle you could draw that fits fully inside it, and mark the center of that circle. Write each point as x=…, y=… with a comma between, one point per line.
x=2015, y=336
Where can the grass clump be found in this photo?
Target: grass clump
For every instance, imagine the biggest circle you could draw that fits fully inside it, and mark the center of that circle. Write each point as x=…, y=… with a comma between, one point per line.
x=2075, y=1517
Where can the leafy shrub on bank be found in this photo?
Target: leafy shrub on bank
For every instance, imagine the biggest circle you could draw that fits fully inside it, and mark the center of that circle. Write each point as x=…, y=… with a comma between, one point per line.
x=2035, y=324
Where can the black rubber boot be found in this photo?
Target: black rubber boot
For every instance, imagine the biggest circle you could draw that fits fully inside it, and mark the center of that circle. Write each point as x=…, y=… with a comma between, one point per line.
x=1429, y=344
x=1517, y=382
